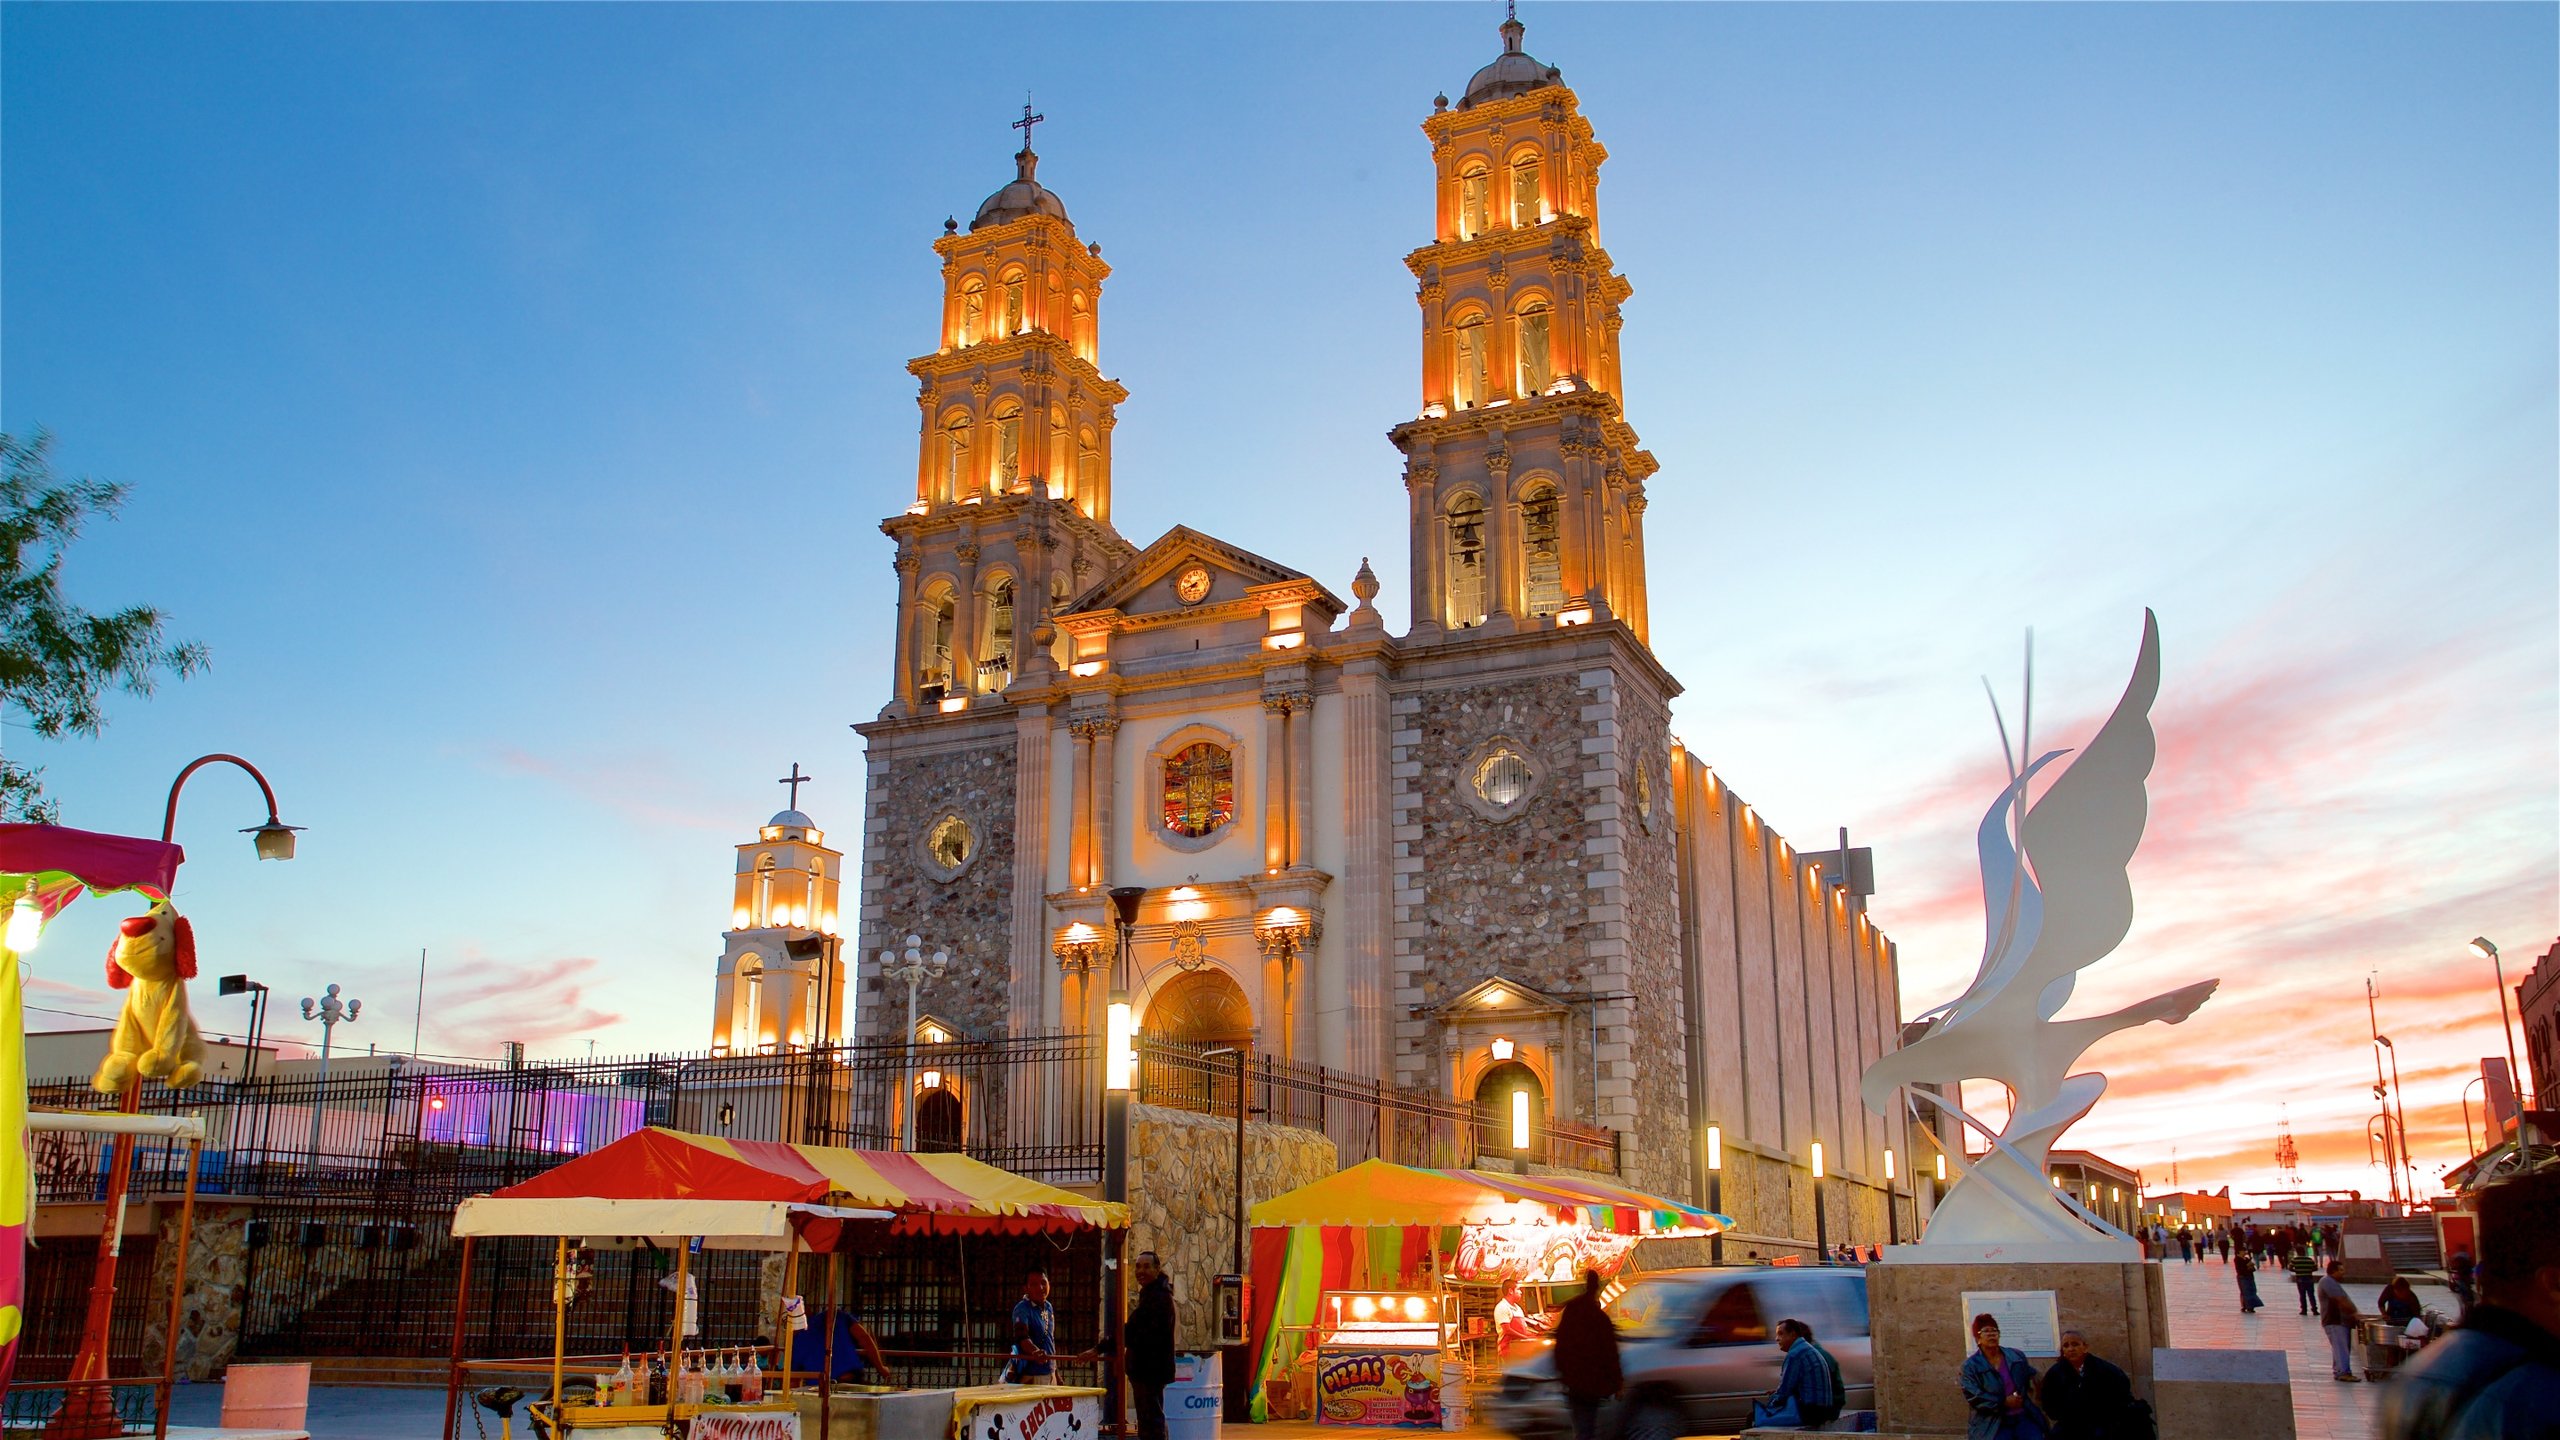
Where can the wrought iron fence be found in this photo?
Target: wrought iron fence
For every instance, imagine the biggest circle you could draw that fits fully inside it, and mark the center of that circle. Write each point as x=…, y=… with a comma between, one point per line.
x=348, y=1247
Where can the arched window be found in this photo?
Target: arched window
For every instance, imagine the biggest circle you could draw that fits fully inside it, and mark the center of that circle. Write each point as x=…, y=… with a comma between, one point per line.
x=1080, y=322
x=955, y=457
x=1525, y=206
x=1088, y=468
x=764, y=890
x=1475, y=196
x=1014, y=288
x=995, y=650
x=1537, y=369
x=1542, y=550
x=1008, y=467
x=973, y=310
x=1511, y=1113
x=1467, y=362
x=934, y=679
x=746, y=1028
x=1466, y=560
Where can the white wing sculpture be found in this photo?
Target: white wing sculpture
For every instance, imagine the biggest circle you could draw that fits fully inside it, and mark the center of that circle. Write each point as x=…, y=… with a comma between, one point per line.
x=2052, y=911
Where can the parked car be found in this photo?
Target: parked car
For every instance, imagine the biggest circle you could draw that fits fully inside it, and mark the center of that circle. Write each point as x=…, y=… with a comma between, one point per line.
x=1698, y=1347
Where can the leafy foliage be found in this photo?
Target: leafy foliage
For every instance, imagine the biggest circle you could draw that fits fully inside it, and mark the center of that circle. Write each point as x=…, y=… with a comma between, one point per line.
x=57, y=661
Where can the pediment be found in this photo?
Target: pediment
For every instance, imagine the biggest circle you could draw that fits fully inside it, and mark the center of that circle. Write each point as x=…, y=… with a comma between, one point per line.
x=1499, y=997
x=1146, y=585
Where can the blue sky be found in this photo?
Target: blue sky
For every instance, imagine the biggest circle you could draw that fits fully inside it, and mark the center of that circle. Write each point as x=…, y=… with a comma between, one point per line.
x=510, y=394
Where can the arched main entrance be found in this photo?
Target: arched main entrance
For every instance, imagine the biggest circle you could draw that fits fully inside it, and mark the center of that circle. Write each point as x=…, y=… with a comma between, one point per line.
x=1203, y=1008
x=940, y=1121
x=1497, y=1112
x=1198, y=1011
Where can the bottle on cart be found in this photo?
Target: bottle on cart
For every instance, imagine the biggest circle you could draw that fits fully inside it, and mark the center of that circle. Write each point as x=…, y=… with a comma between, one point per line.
x=622, y=1381
x=725, y=1380
x=751, y=1387
x=658, y=1393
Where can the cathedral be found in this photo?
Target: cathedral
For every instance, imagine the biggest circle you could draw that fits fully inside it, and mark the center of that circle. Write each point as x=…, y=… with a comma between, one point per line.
x=1471, y=857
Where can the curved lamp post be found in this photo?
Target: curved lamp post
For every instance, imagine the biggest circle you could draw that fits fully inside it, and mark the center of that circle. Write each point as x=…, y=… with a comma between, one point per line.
x=88, y=1409
x=2481, y=947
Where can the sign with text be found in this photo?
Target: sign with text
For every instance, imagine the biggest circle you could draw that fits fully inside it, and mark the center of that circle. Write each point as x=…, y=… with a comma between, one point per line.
x=1388, y=1388
x=746, y=1425
x=1041, y=1412
x=2027, y=1319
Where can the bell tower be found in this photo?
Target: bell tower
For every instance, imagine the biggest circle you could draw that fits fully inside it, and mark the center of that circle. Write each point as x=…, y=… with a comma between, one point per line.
x=1012, y=508
x=781, y=977
x=1525, y=483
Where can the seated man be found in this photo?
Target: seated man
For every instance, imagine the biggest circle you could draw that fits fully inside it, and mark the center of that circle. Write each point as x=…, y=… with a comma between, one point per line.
x=1808, y=1376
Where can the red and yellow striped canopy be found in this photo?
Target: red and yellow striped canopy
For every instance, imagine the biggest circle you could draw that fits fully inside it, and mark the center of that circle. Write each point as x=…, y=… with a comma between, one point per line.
x=940, y=1194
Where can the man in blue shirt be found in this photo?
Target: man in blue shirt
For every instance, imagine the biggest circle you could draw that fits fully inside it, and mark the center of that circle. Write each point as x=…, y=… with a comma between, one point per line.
x=1035, y=1334
x=1808, y=1376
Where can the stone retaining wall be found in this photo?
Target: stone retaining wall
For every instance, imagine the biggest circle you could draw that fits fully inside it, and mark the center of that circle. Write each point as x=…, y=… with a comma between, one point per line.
x=1182, y=1179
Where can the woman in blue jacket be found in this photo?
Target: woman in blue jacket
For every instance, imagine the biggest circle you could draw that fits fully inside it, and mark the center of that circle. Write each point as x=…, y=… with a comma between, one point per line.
x=2000, y=1387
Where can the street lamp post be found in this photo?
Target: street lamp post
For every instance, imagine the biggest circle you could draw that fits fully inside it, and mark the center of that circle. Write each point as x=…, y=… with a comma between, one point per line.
x=331, y=1012
x=2400, y=1122
x=257, y=993
x=1119, y=1077
x=915, y=968
x=2481, y=947
x=1715, y=1189
x=1821, y=1222
x=88, y=1407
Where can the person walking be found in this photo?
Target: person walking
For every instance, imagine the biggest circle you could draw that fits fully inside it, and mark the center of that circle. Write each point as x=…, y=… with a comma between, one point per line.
x=1587, y=1357
x=2084, y=1397
x=2246, y=1269
x=2338, y=1317
x=2222, y=1243
x=2306, y=1275
x=2186, y=1245
x=1998, y=1383
x=2497, y=1377
x=1150, y=1341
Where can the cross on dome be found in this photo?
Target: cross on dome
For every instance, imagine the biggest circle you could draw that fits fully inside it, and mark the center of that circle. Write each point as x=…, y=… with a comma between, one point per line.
x=1027, y=121
x=795, y=780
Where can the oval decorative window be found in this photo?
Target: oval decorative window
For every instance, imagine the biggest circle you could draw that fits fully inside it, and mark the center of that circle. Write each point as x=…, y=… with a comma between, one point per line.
x=1199, y=789
x=949, y=845
x=1503, y=778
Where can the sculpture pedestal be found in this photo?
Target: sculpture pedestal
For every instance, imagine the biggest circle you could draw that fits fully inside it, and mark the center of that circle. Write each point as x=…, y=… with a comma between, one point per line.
x=2206, y=1393
x=1922, y=1333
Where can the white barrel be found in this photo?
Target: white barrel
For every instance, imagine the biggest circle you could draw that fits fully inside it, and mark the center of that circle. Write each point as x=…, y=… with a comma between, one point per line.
x=1195, y=1403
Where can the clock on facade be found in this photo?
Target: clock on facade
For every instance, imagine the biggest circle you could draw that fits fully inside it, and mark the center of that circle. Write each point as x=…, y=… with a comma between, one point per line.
x=1192, y=585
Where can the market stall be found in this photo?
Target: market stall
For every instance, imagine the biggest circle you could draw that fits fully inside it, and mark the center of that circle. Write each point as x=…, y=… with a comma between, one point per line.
x=680, y=1192
x=1375, y=1289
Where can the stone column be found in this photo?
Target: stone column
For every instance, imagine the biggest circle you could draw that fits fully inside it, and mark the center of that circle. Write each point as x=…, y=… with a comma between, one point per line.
x=1422, y=485
x=1275, y=781
x=1574, y=520
x=1367, y=847
x=907, y=564
x=1502, y=543
x=1105, y=782
x=1302, y=772
x=964, y=622
x=1639, y=610
x=1029, y=1010
x=1080, y=866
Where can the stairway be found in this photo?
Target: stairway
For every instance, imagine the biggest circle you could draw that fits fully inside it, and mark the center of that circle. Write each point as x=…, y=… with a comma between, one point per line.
x=2410, y=1245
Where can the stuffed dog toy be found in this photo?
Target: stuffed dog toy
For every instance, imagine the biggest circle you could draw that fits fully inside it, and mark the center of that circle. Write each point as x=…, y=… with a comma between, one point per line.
x=156, y=1036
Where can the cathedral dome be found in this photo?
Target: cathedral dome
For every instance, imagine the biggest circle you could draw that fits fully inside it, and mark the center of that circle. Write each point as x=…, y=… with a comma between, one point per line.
x=791, y=819
x=1513, y=72
x=1025, y=196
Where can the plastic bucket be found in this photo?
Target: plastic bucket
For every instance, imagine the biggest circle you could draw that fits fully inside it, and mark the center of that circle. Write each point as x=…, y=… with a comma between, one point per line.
x=1195, y=1403
x=265, y=1397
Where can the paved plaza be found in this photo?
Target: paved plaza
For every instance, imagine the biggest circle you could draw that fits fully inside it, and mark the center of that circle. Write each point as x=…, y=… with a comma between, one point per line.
x=2204, y=1312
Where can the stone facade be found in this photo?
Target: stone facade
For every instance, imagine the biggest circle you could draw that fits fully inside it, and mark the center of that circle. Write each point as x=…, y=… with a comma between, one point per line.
x=1182, y=1176
x=913, y=786
x=217, y=1287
